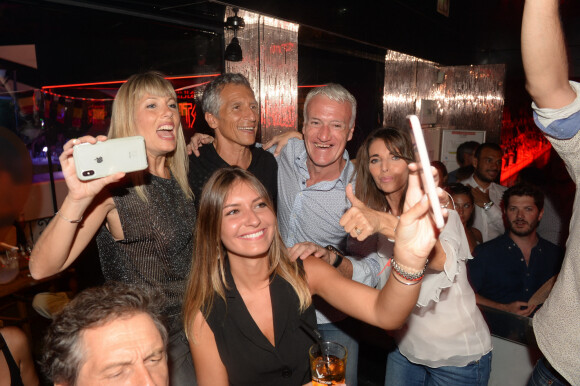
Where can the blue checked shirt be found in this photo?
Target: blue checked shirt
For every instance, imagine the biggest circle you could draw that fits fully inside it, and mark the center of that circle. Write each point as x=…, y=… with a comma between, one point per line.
x=313, y=214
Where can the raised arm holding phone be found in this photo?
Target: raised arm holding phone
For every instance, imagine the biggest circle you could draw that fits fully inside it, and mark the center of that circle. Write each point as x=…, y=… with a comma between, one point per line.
x=446, y=337
x=248, y=308
x=143, y=220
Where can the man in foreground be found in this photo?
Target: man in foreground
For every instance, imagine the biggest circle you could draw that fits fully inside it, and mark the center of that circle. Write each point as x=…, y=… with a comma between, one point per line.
x=110, y=335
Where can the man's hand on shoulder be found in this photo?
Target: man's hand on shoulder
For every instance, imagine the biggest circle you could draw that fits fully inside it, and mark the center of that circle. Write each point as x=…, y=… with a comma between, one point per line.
x=197, y=141
x=281, y=140
x=303, y=250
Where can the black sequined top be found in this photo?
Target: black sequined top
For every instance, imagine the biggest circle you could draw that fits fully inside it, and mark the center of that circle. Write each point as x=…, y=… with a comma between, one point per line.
x=158, y=244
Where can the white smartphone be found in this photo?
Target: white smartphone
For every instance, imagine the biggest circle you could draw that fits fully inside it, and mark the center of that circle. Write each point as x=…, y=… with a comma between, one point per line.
x=109, y=157
x=424, y=164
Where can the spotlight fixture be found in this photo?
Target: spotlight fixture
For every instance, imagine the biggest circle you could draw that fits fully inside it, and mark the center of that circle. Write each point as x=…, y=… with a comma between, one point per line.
x=234, y=50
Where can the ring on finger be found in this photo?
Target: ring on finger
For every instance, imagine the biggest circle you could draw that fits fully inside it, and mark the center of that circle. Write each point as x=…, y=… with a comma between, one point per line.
x=357, y=231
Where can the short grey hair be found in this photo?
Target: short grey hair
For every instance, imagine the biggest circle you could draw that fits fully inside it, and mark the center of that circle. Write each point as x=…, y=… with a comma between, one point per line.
x=63, y=353
x=334, y=92
x=211, y=101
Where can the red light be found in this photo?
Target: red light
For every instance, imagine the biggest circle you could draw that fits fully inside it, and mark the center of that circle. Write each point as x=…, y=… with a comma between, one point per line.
x=123, y=81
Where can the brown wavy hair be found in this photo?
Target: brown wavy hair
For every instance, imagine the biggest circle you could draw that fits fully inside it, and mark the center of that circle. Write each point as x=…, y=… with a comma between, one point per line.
x=207, y=276
x=399, y=143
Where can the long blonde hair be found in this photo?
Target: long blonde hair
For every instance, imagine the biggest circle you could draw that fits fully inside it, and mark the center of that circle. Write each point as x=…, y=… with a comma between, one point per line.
x=123, y=125
x=207, y=276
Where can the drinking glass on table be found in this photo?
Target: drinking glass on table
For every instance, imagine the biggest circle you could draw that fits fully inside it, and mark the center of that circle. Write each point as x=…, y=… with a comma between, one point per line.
x=9, y=267
x=328, y=363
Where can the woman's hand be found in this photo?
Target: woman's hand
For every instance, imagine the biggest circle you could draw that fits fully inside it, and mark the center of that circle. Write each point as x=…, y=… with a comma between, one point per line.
x=361, y=222
x=79, y=217
x=83, y=190
x=197, y=141
x=416, y=232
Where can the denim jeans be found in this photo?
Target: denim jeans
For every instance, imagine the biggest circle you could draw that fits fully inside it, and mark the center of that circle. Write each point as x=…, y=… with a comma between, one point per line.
x=400, y=371
x=342, y=332
x=541, y=376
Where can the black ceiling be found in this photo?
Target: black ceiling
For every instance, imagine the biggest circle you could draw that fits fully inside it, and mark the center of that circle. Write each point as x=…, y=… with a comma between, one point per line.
x=476, y=32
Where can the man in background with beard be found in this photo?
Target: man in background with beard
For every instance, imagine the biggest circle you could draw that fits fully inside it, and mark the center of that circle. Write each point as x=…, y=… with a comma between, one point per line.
x=509, y=269
x=487, y=194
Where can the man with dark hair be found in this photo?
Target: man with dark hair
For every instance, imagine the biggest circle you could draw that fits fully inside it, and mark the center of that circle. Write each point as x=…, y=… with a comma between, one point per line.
x=108, y=335
x=464, y=157
x=487, y=194
x=557, y=201
x=509, y=269
x=232, y=111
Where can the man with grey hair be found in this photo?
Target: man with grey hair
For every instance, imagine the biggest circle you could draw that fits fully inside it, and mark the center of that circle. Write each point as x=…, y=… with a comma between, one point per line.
x=108, y=335
x=312, y=178
x=232, y=111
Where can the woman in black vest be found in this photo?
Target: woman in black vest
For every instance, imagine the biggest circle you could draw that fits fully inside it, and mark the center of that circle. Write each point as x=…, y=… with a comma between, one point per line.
x=248, y=308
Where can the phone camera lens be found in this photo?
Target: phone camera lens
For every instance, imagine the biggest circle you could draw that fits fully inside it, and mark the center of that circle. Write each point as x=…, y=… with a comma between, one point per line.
x=88, y=173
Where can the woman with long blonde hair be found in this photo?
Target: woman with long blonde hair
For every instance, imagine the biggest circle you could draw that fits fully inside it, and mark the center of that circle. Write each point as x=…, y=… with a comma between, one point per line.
x=248, y=312
x=144, y=220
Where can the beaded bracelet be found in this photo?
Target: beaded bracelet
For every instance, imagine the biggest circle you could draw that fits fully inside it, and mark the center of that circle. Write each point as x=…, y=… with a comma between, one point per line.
x=405, y=283
x=408, y=275
x=68, y=219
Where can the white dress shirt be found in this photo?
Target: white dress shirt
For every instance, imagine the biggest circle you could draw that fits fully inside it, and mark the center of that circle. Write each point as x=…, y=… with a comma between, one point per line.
x=489, y=222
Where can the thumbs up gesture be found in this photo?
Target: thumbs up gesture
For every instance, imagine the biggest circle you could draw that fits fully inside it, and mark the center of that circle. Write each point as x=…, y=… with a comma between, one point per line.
x=361, y=222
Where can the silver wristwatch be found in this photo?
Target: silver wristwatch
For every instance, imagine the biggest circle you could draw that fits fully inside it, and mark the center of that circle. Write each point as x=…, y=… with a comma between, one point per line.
x=487, y=205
